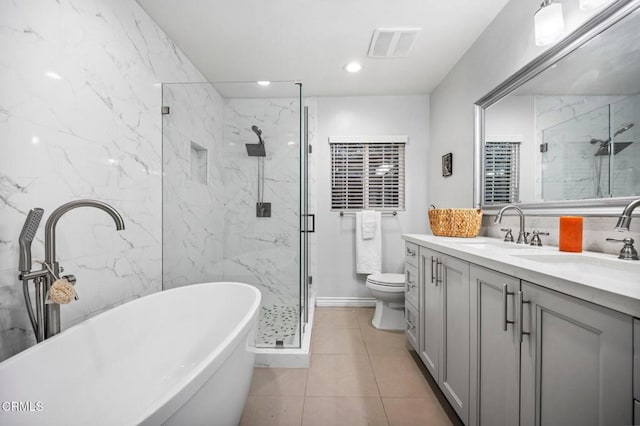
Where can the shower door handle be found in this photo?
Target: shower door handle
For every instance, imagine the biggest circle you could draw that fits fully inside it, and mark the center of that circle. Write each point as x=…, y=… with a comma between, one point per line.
x=313, y=223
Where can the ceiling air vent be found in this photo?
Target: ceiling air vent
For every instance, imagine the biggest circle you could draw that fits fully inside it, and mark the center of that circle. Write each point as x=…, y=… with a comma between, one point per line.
x=392, y=42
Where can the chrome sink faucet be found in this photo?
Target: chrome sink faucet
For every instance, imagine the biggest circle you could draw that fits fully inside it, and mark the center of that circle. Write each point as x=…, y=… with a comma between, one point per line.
x=625, y=219
x=522, y=235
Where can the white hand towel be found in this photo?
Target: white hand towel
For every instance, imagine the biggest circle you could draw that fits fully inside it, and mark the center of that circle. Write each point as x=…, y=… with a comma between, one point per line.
x=369, y=252
x=369, y=224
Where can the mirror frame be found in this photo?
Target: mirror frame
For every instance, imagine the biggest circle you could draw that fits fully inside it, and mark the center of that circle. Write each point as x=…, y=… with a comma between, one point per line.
x=587, y=207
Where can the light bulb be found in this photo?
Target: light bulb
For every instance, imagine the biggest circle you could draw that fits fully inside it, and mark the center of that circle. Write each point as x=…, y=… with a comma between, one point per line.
x=352, y=67
x=549, y=23
x=592, y=4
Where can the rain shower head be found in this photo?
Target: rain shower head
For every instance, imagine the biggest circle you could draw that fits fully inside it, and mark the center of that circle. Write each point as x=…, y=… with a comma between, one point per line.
x=256, y=149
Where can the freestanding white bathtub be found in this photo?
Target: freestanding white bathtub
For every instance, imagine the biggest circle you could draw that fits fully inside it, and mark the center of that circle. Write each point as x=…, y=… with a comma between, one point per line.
x=183, y=356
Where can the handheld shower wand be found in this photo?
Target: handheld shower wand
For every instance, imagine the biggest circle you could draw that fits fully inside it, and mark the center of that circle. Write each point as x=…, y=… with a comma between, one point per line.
x=258, y=132
x=26, y=237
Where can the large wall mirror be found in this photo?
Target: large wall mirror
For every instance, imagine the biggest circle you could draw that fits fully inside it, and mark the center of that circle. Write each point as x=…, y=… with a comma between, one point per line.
x=563, y=134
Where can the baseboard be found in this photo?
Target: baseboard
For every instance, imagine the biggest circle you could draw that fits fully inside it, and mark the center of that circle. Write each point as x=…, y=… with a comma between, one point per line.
x=351, y=302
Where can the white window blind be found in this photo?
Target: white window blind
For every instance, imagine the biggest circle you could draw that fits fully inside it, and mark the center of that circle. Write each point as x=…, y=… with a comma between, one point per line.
x=367, y=176
x=502, y=172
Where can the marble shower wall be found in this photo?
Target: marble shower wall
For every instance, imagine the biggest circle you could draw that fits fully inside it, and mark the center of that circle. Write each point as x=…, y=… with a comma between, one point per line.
x=192, y=185
x=569, y=168
x=263, y=251
x=80, y=101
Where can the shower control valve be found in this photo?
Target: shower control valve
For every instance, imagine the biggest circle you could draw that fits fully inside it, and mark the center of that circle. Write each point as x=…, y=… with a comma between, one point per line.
x=535, y=239
x=508, y=236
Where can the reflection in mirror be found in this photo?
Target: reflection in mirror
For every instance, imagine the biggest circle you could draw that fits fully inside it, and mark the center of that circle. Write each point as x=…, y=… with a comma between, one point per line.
x=573, y=131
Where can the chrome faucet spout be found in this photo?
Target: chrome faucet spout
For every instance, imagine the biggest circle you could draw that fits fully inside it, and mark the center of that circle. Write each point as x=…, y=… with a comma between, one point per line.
x=624, y=221
x=50, y=227
x=522, y=235
x=52, y=311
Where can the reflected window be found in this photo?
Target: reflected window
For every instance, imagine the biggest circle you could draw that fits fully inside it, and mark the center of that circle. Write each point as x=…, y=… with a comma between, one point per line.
x=502, y=172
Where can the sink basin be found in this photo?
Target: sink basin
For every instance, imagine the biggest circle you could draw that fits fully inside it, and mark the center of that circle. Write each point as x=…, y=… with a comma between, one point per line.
x=584, y=264
x=489, y=245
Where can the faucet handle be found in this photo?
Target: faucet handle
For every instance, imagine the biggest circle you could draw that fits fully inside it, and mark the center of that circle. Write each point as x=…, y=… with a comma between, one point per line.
x=535, y=238
x=628, y=252
x=508, y=236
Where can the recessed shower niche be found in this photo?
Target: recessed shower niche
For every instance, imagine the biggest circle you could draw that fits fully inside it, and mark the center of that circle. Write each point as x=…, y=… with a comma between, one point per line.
x=199, y=163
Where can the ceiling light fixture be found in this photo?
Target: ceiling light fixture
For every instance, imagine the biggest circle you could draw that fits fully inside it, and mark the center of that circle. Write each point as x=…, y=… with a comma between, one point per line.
x=549, y=23
x=592, y=4
x=264, y=82
x=353, y=67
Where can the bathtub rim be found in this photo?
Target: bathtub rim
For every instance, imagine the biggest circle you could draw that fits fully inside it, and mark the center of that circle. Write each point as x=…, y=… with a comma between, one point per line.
x=177, y=395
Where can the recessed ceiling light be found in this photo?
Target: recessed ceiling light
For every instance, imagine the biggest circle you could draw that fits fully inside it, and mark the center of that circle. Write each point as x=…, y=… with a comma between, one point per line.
x=353, y=67
x=264, y=83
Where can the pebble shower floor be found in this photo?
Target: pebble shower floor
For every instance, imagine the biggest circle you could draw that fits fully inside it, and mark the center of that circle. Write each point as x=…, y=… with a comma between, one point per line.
x=277, y=322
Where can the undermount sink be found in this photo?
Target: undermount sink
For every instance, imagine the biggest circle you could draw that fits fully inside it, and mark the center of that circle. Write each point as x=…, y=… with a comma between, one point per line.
x=495, y=244
x=584, y=264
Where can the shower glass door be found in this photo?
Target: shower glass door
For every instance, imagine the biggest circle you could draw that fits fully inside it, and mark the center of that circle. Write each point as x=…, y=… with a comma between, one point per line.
x=234, y=195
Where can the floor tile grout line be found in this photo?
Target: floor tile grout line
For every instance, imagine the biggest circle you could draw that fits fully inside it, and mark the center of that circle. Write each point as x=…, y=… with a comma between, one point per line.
x=384, y=409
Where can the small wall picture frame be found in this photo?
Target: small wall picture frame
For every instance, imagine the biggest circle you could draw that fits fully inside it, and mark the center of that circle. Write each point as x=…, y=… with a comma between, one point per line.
x=447, y=164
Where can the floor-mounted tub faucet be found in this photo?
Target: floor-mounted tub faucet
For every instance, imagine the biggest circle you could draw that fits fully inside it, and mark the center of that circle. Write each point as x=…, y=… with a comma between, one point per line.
x=522, y=235
x=48, y=315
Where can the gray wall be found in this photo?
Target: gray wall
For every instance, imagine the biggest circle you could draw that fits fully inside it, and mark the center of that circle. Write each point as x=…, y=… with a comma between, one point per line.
x=357, y=116
x=505, y=46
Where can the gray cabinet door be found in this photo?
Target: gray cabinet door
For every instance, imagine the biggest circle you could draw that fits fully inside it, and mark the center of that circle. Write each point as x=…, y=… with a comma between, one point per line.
x=495, y=352
x=429, y=311
x=454, y=346
x=576, y=361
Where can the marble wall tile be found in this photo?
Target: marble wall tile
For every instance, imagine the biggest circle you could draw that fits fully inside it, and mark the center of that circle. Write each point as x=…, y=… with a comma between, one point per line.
x=263, y=251
x=569, y=169
x=192, y=211
x=79, y=118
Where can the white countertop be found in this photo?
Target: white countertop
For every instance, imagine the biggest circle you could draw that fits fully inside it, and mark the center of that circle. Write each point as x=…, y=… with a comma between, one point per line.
x=596, y=277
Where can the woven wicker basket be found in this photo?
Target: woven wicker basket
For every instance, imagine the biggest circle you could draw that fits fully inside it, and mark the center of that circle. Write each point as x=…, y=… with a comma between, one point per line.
x=455, y=222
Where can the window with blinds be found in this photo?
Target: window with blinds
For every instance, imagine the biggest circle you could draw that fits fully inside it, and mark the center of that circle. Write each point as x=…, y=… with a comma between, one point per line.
x=501, y=172
x=367, y=176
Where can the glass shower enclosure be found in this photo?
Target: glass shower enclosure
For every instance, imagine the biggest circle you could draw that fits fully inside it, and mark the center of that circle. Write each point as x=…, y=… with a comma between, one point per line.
x=235, y=191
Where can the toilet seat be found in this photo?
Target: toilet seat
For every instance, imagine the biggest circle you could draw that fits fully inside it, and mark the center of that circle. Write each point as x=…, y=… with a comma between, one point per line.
x=387, y=283
x=390, y=280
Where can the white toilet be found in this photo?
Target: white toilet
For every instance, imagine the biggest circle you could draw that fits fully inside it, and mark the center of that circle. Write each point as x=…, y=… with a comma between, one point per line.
x=388, y=289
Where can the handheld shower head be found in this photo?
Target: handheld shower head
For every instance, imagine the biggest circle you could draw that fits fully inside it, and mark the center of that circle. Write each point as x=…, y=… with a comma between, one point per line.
x=258, y=132
x=26, y=237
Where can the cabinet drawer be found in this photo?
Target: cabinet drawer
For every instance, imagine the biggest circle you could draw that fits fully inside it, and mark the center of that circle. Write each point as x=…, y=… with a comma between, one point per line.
x=411, y=284
x=411, y=254
x=411, y=327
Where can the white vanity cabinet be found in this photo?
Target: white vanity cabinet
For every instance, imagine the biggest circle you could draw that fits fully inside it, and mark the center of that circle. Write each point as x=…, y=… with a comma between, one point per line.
x=412, y=296
x=444, y=343
x=576, y=361
x=542, y=357
x=507, y=351
x=495, y=349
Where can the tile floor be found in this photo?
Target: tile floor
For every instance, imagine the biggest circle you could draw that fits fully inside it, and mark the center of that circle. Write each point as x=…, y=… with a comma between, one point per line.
x=358, y=376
